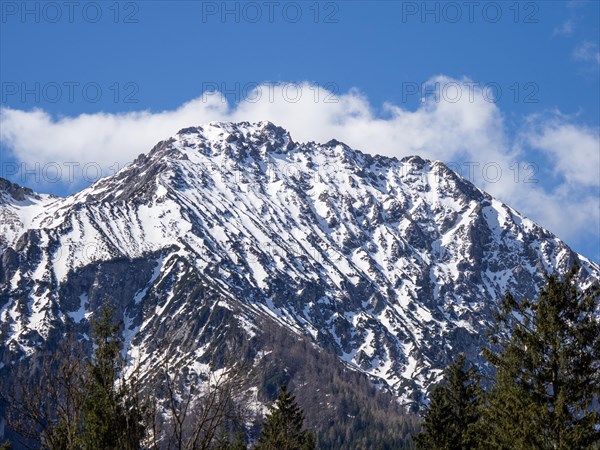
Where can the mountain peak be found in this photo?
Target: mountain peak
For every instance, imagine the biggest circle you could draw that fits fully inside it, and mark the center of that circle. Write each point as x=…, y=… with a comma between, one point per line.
x=392, y=265
x=12, y=191
x=222, y=135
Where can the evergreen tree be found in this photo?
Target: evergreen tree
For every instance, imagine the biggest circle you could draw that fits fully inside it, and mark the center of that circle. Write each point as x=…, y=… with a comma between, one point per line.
x=283, y=427
x=453, y=410
x=111, y=413
x=77, y=403
x=548, y=370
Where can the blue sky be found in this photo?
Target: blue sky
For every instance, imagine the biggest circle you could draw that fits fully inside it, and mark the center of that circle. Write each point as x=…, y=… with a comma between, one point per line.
x=507, y=93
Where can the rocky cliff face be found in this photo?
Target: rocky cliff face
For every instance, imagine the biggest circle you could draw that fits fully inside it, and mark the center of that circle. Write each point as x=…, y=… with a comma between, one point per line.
x=392, y=265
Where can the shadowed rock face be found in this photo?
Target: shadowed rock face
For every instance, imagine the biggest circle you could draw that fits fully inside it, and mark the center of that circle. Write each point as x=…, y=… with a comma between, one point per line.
x=15, y=191
x=392, y=266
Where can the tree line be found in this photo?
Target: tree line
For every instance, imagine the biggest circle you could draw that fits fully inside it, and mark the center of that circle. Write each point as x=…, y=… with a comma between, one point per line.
x=77, y=403
x=544, y=392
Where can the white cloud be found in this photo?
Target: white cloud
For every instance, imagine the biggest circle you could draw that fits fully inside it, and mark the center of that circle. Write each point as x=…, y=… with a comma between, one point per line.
x=36, y=138
x=587, y=51
x=574, y=149
x=565, y=29
x=458, y=125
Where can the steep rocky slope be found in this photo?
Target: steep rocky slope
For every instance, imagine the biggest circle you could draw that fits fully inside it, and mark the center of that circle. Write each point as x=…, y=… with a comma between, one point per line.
x=392, y=265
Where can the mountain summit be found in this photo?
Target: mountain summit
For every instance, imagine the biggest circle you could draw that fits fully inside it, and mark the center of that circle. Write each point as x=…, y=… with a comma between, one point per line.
x=394, y=266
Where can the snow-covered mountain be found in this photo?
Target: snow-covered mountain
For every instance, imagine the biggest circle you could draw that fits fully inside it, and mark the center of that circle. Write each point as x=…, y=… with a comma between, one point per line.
x=392, y=265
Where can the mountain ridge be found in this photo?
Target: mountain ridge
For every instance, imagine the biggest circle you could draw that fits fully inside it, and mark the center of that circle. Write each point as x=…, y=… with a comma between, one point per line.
x=392, y=265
